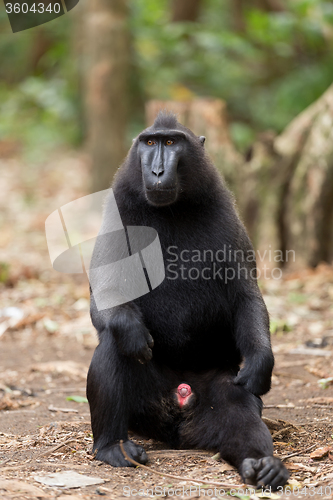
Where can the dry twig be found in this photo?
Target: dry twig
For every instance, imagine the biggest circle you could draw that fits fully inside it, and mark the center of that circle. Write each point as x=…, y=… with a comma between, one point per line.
x=298, y=452
x=282, y=431
x=55, y=448
x=168, y=453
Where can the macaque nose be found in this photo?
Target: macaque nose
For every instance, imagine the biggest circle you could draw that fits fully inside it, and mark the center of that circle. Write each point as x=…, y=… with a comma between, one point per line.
x=158, y=170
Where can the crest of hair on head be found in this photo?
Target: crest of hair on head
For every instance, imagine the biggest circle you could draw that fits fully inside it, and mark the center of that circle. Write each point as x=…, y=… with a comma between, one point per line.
x=166, y=119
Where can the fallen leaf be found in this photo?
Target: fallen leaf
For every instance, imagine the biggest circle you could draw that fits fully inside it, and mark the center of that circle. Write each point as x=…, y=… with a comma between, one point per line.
x=226, y=467
x=325, y=382
x=33, y=318
x=320, y=452
x=297, y=466
x=77, y=399
x=277, y=425
x=269, y=494
x=7, y=403
x=50, y=325
x=294, y=483
x=10, y=317
x=317, y=372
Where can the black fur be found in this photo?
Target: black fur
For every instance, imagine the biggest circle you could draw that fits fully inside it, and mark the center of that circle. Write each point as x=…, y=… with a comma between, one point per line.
x=193, y=331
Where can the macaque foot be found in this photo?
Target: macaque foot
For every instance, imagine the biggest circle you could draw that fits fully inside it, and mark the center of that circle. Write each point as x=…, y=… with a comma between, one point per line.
x=114, y=456
x=266, y=471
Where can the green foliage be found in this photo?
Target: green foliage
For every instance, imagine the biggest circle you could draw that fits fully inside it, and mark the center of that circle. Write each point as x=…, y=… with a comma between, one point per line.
x=279, y=327
x=297, y=298
x=77, y=399
x=242, y=135
x=324, y=383
x=268, y=71
x=38, y=80
x=4, y=272
x=39, y=113
x=267, y=65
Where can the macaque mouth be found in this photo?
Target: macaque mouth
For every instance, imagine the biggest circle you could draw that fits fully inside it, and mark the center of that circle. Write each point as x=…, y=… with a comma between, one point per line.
x=161, y=196
x=157, y=187
x=183, y=393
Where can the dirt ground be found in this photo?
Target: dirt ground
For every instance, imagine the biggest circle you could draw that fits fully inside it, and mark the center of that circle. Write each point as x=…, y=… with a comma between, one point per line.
x=46, y=347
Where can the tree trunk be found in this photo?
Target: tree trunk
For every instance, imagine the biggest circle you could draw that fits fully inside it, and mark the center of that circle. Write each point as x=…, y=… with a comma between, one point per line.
x=284, y=190
x=261, y=182
x=41, y=44
x=185, y=10
x=106, y=94
x=306, y=214
x=288, y=189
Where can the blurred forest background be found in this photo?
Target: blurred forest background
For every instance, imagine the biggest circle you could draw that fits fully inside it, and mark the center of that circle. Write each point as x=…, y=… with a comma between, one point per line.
x=239, y=72
x=256, y=78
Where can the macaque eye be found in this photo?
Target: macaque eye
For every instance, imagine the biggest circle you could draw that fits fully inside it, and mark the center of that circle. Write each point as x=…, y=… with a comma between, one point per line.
x=169, y=142
x=150, y=142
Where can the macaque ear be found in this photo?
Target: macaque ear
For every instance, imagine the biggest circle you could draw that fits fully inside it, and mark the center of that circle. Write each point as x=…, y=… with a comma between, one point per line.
x=202, y=139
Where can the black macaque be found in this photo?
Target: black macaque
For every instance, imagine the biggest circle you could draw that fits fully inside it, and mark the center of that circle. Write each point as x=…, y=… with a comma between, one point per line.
x=196, y=328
